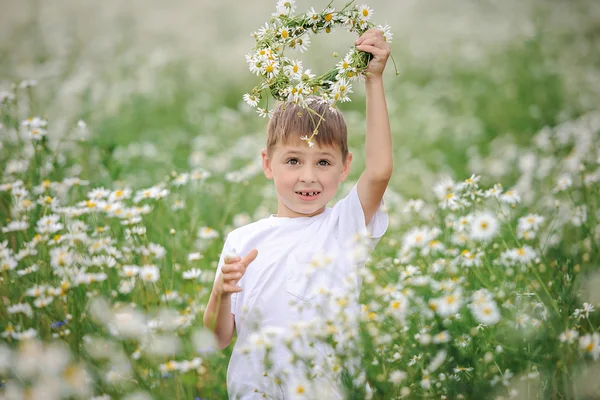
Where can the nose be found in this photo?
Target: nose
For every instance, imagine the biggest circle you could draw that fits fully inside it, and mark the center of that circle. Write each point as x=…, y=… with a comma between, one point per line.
x=307, y=174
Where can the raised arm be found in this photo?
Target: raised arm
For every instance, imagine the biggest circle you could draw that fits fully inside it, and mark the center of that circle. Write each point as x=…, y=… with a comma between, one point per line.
x=379, y=162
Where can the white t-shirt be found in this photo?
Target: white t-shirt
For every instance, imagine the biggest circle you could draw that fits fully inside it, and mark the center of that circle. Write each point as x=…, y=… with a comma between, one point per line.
x=276, y=287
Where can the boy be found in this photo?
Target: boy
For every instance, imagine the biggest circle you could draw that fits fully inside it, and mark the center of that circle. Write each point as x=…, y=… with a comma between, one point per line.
x=268, y=285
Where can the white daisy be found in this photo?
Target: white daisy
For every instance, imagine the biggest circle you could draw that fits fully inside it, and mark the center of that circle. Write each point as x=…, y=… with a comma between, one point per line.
x=149, y=273
x=470, y=183
x=251, y=100
x=442, y=337
x=485, y=312
x=307, y=75
x=263, y=112
x=530, y=222
x=37, y=134
x=313, y=16
x=206, y=232
x=496, y=191
x=301, y=43
x=35, y=122
x=443, y=188
x=484, y=226
x=564, y=182
x=449, y=304
x=284, y=32
x=15, y=226
x=285, y=7
x=590, y=345
x=129, y=271
x=119, y=195
x=192, y=273
x=294, y=69
x=387, y=33
x=98, y=193
x=510, y=197
x=364, y=12
x=569, y=336
x=397, y=376
x=522, y=255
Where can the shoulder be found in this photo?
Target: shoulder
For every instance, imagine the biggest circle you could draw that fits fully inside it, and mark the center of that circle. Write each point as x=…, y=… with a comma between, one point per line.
x=351, y=195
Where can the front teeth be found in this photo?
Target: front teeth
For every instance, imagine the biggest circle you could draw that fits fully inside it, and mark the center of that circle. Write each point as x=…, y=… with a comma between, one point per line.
x=309, y=194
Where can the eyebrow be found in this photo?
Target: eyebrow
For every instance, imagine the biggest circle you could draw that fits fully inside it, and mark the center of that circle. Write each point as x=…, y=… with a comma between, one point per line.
x=296, y=152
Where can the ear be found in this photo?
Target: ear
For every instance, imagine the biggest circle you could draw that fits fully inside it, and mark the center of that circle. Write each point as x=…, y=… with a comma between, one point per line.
x=346, y=167
x=266, y=164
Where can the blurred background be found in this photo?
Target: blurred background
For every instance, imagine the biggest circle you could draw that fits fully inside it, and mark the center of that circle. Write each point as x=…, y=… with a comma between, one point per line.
x=143, y=93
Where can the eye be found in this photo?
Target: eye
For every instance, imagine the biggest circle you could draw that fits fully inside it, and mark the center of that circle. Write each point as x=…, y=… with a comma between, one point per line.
x=324, y=163
x=292, y=161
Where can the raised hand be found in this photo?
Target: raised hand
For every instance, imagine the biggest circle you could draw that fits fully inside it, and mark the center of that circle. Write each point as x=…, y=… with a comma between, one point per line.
x=372, y=41
x=232, y=271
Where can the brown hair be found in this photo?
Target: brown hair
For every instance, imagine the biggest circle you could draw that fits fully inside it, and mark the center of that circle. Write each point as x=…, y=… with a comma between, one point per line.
x=289, y=120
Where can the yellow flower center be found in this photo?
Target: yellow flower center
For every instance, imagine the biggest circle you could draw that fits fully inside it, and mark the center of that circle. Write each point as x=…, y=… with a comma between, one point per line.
x=328, y=17
x=590, y=347
x=365, y=12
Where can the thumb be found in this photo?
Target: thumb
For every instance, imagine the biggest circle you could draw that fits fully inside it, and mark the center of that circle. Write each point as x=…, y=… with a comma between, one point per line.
x=249, y=257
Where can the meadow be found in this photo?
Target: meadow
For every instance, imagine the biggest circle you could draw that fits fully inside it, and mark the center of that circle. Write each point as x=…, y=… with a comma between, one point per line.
x=127, y=154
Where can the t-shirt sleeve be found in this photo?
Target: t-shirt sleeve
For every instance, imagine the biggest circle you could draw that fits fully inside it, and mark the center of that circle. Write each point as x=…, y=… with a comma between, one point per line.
x=352, y=219
x=228, y=249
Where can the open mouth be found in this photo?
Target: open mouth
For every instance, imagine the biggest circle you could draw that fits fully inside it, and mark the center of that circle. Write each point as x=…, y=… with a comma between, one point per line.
x=308, y=195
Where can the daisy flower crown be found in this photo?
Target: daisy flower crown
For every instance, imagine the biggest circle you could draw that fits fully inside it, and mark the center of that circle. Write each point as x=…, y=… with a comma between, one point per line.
x=285, y=78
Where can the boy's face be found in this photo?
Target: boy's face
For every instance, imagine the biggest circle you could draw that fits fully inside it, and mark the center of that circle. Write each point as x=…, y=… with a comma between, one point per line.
x=306, y=178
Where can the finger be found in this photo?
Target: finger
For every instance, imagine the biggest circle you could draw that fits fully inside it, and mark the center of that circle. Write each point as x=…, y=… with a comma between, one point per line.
x=376, y=41
x=373, y=32
x=376, y=51
x=233, y=276
x=231, y=258
x=229, y=288
x=228, y=268
x=364, y=37
x=368, y=42
x=249, y=257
